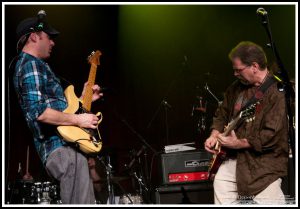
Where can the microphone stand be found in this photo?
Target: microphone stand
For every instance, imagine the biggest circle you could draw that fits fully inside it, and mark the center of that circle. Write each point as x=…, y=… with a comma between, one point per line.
x=165, y=103
x=166, y=107
x=286, y=86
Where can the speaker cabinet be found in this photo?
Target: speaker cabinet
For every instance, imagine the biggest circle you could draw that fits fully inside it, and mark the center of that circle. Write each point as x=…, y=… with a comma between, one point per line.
x=197, y=193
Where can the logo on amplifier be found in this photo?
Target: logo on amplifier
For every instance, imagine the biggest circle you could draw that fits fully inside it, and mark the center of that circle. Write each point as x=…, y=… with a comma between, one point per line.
x=195, y=163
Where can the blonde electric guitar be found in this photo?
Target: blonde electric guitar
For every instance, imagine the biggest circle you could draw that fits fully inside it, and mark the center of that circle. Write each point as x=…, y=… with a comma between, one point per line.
x=89, y=140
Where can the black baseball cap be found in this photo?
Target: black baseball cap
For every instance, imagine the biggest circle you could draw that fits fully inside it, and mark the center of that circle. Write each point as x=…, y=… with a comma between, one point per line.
x=32, y=24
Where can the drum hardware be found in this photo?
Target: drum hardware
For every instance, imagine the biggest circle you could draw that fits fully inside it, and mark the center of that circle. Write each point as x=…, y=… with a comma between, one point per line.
x=45, y=198
x=54, y=193
x=44, y=193
x=111, y=180
x=125, y=197
x=144, y=171
x=206, y=87
x=137, y=171
x=20, y=192
x=200, y=107
x=131, y=199
x=140, y=181
x=110, y=188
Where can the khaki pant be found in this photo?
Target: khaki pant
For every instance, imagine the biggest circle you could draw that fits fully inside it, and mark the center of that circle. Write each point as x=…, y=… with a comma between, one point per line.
x=225, y=189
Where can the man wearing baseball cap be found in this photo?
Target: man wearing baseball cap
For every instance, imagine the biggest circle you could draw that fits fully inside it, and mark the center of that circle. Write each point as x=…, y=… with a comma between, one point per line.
x=34, y=24
x=42, y=101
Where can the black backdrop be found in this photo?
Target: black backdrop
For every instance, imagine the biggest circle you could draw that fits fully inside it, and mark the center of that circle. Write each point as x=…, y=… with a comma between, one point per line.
x=150, y=53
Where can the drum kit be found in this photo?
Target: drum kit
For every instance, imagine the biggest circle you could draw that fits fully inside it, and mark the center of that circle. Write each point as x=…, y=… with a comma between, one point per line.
x=30, y=192
x=24, y=190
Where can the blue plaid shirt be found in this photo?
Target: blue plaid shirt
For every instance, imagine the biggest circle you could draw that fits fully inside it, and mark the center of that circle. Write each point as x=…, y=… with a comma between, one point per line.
x=37, y=89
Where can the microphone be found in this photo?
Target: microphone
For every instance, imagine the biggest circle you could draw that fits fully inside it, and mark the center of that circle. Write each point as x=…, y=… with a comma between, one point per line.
x=41, y=16
x=166, y=104
x=261, y=11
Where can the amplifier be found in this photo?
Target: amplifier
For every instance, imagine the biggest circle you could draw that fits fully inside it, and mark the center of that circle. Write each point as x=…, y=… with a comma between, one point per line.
x=185, y=167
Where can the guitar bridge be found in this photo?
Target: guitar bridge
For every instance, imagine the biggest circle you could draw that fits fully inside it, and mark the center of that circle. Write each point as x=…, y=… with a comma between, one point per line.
x=93, y=134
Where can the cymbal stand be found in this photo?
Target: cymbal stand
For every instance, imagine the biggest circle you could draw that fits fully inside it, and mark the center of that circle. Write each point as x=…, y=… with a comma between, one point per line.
x=123, y=191
x=141, y=183
x=110, y=188
x=143, y=149
x=139, y=174
x=141, y=178
x=209, y=91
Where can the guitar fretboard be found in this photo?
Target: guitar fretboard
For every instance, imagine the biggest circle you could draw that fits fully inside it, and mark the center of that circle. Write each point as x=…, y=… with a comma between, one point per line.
x=88, y=95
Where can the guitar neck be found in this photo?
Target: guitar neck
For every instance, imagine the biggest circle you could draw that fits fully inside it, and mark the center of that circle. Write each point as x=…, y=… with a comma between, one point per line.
x=88, y=94
x=232, y=125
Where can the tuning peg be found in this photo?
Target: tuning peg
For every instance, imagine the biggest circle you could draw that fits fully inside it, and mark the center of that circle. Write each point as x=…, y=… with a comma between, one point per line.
x=92, y=53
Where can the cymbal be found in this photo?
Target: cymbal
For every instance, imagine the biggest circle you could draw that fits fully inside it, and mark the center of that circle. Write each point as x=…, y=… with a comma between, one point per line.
x=113, y=178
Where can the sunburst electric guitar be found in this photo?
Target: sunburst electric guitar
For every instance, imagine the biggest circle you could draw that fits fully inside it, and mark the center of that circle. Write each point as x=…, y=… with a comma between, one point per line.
x=219, y=157
x=89, y=140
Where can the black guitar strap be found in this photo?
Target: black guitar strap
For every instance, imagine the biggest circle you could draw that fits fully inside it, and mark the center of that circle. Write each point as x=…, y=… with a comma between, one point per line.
x=260, y=92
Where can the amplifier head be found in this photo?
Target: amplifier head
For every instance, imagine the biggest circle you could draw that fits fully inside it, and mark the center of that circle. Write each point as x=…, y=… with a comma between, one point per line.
x=185, y=167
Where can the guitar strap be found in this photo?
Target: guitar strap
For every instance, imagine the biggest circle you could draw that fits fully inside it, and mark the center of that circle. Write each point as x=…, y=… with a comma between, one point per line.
x=260, y=92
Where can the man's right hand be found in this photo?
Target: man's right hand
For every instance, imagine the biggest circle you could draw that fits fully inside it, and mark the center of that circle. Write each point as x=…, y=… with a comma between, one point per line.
x=87, y=120
x=211, y=141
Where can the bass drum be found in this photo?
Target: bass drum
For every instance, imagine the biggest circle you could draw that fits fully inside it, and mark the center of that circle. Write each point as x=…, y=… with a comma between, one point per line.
x=134, y=199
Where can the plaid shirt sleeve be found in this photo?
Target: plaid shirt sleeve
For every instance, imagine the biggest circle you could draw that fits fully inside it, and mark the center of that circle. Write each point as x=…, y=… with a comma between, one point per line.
x=39, y=89
x=31, y=90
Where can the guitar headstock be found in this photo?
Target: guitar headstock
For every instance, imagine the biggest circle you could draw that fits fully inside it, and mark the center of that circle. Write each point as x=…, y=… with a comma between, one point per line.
x=94, y=57
x=248, y=113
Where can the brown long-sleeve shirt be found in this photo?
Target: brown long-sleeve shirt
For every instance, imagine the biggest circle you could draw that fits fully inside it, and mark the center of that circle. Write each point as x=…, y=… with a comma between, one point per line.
x=266, y=160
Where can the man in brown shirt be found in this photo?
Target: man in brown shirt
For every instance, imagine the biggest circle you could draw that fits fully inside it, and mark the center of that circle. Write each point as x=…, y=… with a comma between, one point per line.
x=258, y=148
